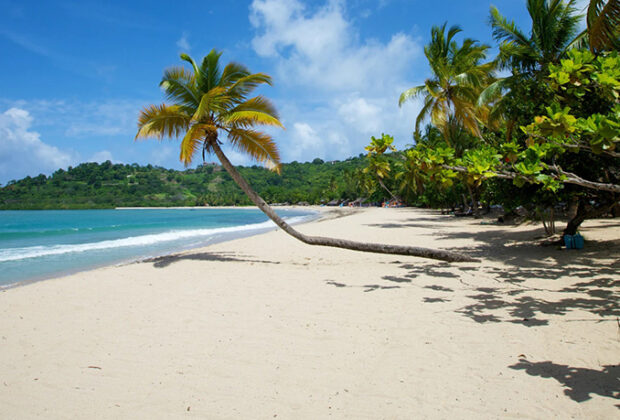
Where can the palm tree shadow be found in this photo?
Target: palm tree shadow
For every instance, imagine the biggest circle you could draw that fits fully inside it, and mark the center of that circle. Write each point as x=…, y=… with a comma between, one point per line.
x=580, y=383
x=166, y=260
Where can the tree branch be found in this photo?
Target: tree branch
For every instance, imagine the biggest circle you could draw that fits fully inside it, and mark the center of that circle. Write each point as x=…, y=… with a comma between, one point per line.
x=570, y=178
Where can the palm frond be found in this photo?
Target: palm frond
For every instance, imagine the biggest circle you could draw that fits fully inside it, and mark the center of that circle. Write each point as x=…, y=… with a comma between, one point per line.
x=246, y=84
x=192, y=142
x=210, y=74
x=259, y=104
x=161, y=121
x=424, y=112
x=410, y=94
x=603, y=19
x=247, y=119
x=233, y=72
x=213, y=101
x=505, y=30
x=179, y=86
x=259, y=146
x=492, y=92
x=566, y=27
x=581, y=41
x=190, y=60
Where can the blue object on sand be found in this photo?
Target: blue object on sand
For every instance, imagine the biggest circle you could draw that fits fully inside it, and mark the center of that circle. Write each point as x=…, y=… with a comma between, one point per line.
x=573, y=241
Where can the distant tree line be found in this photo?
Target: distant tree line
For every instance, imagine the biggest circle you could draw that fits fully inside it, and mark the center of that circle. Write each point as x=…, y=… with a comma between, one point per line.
x=108, y=185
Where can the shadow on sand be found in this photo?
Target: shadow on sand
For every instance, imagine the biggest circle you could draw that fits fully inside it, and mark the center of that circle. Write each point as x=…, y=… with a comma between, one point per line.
x=521, y=259
x=166, y=260
x=580, y=383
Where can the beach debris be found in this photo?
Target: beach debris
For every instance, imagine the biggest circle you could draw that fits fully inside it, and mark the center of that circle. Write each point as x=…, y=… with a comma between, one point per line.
x=94, y=367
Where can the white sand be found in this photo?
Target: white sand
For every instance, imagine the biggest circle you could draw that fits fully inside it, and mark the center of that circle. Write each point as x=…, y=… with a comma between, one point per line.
x=266, y=327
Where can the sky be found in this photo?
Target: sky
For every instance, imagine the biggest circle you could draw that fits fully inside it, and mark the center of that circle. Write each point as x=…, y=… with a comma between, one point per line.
x=75, y=74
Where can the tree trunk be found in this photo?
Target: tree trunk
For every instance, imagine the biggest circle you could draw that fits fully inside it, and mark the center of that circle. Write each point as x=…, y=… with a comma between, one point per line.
x=388, y=190
x=474, y=202
x=332, y=242
x=584, y=212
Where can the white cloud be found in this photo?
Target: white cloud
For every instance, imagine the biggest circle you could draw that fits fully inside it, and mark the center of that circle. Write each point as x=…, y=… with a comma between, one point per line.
x=183, y=43
x=102, y=156
x=346, y=88
x=362, y=114
x=306, y=140
x=162, y=154
x=322, y=50
x=21, y=150
x=79, y=119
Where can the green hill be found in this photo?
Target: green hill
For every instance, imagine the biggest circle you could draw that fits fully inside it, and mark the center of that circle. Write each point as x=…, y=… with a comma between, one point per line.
x=107, y=185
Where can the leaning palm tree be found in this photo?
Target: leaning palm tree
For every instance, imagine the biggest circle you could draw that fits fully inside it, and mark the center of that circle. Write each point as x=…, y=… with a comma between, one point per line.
x=206, y=102
x=458, y=78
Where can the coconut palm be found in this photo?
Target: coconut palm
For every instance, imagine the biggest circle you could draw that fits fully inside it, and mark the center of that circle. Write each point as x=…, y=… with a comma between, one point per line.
x=379, y=145
x=379, y=168
x=378, y=165
x=207, y=102
x=458, y=77
x=554, y=26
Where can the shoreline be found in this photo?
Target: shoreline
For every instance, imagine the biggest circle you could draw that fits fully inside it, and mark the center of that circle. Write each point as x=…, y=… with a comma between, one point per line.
x=316, y=213
x=266, y=326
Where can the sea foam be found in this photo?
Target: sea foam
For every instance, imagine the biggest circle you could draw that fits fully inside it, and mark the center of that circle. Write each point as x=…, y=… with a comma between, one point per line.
x=16, y=254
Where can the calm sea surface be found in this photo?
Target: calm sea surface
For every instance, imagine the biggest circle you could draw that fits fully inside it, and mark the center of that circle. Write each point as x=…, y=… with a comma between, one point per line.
x=41, y=244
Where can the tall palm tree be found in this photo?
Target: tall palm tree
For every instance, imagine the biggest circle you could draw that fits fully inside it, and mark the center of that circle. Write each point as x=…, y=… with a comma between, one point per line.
x=207, y=102
x=458, y=77
x=554, y=26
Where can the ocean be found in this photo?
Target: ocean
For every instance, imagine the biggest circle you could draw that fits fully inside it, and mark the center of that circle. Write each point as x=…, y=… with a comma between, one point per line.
x=40, y=244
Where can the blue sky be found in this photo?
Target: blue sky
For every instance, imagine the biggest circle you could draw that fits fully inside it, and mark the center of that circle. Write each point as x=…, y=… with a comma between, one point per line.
x=75, y=74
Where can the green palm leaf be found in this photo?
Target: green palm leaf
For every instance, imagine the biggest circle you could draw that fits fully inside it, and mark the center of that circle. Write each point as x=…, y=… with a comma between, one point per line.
x=210, y=71
x=213, y=101
x=410, y=94
x=259, y=146
x=161, y=121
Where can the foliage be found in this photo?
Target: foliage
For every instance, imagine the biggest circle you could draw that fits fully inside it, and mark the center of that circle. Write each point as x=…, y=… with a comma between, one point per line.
x=458, y=78
x=107, y=185
x=554, y=26
x=603, y=19
x=207, y=100
x=571, y=147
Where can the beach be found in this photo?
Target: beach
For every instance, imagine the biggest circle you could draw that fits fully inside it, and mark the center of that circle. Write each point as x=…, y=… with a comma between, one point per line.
x=268, y=327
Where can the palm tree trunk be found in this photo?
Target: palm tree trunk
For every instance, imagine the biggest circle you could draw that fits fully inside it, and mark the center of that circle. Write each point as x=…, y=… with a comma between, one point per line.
x=388, y=190
x=332, y=242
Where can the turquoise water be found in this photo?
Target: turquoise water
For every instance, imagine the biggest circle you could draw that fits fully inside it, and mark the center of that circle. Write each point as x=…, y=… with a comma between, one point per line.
x=41, y=244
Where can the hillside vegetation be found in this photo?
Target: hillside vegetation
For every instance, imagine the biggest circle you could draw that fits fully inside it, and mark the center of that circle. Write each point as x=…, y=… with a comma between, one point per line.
x=107, y=185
